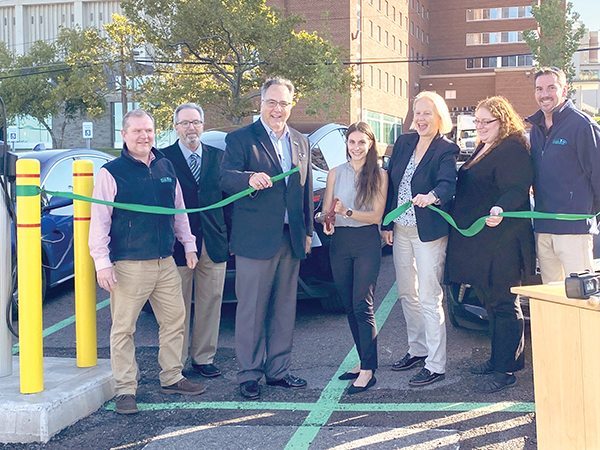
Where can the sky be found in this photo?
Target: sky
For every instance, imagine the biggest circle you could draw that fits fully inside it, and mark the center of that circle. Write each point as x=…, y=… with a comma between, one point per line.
x=589, y=11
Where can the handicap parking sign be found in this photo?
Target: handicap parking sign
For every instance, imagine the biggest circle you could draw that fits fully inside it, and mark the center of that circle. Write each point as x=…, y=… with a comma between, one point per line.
x=88, y=130
x=13, y=134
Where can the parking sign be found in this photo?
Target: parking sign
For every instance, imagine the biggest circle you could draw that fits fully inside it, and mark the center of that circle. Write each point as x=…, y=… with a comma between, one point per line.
x=88, y=130
x=13, y=134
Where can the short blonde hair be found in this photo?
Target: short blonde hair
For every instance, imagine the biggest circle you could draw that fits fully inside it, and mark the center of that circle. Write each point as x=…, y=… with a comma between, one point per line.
x=439, y=107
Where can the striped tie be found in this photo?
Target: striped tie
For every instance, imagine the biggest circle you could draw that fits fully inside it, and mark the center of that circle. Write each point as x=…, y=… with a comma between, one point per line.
x=194, y=163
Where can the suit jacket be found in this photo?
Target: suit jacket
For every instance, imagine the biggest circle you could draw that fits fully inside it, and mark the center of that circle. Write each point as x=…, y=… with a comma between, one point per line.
x=258, y=219
x=436, y=171
x=208, y=225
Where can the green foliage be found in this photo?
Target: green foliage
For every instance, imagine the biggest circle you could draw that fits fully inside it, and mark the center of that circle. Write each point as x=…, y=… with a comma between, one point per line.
x=42, y=83
x=225, y=49
x=557, y=37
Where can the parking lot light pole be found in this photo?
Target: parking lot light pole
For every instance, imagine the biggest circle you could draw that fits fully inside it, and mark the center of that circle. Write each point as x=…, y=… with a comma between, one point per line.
x=29, y=257
x=85, y=273
x=5, y=288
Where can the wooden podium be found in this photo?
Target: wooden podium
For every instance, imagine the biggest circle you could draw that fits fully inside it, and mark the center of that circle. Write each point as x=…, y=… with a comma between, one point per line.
x=565, y=339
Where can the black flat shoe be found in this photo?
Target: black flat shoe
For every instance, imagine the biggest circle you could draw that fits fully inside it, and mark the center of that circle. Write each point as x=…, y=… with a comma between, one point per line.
x=357, y=389
x=348, y=376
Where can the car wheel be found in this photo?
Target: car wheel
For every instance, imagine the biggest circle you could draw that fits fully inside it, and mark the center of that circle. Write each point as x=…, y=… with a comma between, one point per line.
x=448, y=295
x=333, y=302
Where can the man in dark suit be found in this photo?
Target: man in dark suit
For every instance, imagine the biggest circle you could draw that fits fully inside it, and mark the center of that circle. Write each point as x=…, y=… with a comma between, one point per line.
x=197, y=167
x=271, y=233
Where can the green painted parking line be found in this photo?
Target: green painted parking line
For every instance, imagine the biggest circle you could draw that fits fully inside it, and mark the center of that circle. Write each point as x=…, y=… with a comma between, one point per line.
x=62, y=324
x=508, y=407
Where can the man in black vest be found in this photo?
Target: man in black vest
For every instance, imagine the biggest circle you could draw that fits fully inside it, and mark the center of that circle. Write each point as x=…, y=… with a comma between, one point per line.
x=132, y=252
x=197, y=167
x=271, y=232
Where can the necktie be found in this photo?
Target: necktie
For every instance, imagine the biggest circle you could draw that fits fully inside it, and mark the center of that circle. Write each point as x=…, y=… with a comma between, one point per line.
x=194, y=163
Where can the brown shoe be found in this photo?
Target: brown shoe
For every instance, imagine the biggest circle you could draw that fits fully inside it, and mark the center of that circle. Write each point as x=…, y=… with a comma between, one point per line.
x=125, y=404
x=183, y=386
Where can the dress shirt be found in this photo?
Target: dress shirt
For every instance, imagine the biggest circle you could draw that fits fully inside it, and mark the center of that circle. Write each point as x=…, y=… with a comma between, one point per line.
x=284, y=151
x=105, y=188
x=186, y=152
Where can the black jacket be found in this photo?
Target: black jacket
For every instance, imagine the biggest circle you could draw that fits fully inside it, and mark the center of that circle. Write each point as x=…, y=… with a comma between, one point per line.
x=501, y=255
x=436, y=171
x=258, y=220
x=208, y=225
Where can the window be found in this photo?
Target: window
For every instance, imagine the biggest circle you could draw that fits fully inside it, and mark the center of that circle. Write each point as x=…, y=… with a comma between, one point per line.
x=514, y=12
x=427, y=38
x=418, y=6
x=371, y=76
x=387, y=39
x=399, y=47
x=385, y=128
x=379, y=79
x=406, y=22
x=400, y=87
x=387, y=9
x=504, y=37
x=370, y=29
x=393, y=42
x=406, y=49
x=379, y=34
x=503, y=61
x=400, y=19
x=418, y=31
x=393, y=13
x=386, y=84
x=394, y=84
x=406, y=89
x=412, y=4
x=412, y=28
x=450, y=94
x=379, y=5
x=412, y=53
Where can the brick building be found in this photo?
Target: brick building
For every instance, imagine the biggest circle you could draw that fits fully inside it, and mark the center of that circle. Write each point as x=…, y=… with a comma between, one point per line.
x=465, y=50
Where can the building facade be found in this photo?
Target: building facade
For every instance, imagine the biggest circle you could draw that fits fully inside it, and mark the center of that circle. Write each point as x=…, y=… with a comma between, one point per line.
x=465, y=50
x=587, y=74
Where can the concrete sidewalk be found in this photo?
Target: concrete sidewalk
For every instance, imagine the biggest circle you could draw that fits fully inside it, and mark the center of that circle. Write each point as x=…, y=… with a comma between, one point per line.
x=70, y=394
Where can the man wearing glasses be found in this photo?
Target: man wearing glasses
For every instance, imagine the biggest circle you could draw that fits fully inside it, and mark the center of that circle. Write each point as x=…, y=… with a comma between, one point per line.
x=565, y=148
x=197, y=167
x=271, y=233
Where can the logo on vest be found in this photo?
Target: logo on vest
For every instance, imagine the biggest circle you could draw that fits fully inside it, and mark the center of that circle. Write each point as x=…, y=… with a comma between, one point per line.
x=560, y=142
x=166, y=180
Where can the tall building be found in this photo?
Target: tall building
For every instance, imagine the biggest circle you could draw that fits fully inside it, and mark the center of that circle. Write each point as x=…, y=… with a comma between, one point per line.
x=465, y=50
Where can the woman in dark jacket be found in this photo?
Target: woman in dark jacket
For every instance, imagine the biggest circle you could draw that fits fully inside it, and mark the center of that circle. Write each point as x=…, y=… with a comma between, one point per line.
x=496, y=178
x=422, y=170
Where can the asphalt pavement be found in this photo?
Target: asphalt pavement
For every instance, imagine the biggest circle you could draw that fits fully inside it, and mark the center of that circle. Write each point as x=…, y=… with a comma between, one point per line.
x=449, y=414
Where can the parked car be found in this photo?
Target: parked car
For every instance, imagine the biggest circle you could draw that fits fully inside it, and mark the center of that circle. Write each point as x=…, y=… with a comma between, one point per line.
x=56, y=174
x=328, y=150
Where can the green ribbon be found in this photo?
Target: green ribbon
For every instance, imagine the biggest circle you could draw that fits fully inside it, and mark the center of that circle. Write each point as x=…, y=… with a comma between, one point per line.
x=479, y=224
x=30, y=191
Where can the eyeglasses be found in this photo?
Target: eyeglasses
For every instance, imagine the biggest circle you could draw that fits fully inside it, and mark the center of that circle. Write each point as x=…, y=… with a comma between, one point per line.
x=274, y=103
x=187, y=123
x=483, y=122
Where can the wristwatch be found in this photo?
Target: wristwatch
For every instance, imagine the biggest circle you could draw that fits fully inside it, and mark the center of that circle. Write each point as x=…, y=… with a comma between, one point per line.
x=349, y=213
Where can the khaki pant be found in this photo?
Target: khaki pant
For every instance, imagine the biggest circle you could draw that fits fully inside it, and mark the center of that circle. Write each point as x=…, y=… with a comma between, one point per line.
x=137, y=281
x=207, y=281
x=559, y=255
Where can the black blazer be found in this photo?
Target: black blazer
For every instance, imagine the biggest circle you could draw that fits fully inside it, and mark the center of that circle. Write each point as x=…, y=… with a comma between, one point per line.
x=258, y=220
x=436, y=171
x=208, y=225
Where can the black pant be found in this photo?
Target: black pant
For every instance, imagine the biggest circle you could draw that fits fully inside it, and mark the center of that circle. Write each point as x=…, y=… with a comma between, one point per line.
x=355, y=259
x=506, y=328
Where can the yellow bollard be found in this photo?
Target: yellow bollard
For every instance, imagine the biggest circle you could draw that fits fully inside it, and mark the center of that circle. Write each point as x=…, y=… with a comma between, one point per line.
x=29, y=264
x=85, y=273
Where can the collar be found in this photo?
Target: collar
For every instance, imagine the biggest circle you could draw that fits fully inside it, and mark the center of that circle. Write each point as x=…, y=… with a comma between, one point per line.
x=271, y=133
x=559, y=114
x=153, y=154
x=186, y=152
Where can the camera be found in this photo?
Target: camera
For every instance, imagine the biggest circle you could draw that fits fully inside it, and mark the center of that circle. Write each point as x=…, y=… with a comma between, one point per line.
x=583, y=284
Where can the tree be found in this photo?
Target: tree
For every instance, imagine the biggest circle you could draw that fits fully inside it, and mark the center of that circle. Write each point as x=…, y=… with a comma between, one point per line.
x=557, y=37
x=41, y=84
x=219, y=52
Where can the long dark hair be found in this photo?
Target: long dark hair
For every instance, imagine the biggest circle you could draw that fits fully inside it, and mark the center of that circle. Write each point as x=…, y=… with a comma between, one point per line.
x=369, y=177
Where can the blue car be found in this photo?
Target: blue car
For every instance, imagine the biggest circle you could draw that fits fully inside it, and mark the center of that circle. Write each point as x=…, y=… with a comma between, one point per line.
x=56, y=174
